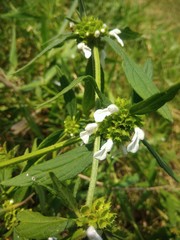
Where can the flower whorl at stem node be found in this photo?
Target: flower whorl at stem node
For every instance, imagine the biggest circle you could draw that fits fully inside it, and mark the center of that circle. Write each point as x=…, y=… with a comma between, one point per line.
x=89, y=32
x=118, y=126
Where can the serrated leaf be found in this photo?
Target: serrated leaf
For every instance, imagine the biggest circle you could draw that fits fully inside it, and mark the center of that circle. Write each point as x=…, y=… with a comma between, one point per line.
x=33, y=225
x=58, y=42
x=63, y=193
x=65, y=166
x=154, y=102
x=137, y=78
x=160, y=161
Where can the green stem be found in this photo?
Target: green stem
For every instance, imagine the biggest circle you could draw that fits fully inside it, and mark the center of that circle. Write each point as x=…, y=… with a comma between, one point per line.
x=97, y=141
x=94, y=171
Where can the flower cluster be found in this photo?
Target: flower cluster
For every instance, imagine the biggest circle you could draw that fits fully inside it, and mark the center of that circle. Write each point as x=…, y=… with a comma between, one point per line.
x=98, y=215
x=114, y=124
x=89, y=32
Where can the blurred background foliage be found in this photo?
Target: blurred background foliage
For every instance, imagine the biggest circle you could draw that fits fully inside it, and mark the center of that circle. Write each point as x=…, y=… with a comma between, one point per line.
x=144, y=197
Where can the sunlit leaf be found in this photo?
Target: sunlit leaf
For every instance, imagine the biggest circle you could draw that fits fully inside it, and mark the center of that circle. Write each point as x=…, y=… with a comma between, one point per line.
x=154, y=102
x=65, y=166
x=137, y=77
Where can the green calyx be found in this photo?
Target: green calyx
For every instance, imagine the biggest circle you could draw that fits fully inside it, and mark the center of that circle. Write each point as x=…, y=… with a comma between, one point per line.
x=90, y=29
x=97, y=215
x=119, y=126
x=71, y=127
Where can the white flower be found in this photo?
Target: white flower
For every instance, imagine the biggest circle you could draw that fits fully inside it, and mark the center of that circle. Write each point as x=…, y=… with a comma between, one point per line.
x=97, y=33
x=89, y=130
x=115, y=33
x=134, y=145
x=86, y=50
x=92, y=234
x=101, y=154
x=71, y=25
x=100, y=114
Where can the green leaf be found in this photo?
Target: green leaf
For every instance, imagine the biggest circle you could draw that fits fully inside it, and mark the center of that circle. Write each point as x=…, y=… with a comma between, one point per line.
x=65, y=166
x=137, y=78
x=51, y=139
x=89, y=97
x=64, y=193
x=33, y=225
x=154, y=102
x=69, y=97
x=39, y=152
x=89, y=91
x=148, y=69
x=160, y=161
x=65, y=90
x=79, y=234
x=54, y=43
x=82, y=10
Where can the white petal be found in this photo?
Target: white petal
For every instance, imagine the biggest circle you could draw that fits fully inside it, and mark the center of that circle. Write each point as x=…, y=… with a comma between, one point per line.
x=102, y=153
x=134, y=145
x=86, y=50
x=100, y=114
x=113, y=108
x=92, y=234
x=71, y=25
x=108, y=145
x=97, y=33
x=115, y=33
x=91, y=127
x=80, y=46
x=120, y=41
x=139, y=132
x=84, y=135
